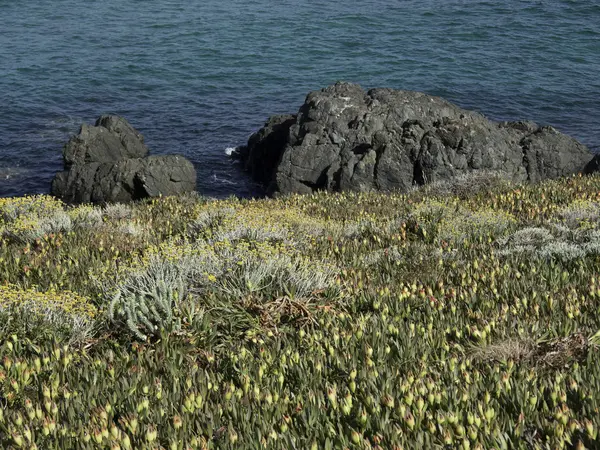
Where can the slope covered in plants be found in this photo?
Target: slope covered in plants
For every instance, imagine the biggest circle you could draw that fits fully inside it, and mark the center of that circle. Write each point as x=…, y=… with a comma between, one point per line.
x=460, y=315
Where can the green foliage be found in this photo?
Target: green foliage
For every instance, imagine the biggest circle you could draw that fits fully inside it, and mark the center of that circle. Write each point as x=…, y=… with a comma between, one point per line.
x=63, y=314
x=581, y=213
x=29, y=218
x=146, y=301
x=480, y=182
x=448, y=319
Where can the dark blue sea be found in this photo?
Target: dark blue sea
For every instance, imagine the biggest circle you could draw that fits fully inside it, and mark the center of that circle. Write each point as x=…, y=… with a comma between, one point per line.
x=198, y=77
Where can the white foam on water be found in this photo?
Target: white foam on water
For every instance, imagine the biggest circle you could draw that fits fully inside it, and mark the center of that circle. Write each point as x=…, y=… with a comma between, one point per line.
x=221, y=180
x=59, y=128
x=8, y=173
x=230, y=150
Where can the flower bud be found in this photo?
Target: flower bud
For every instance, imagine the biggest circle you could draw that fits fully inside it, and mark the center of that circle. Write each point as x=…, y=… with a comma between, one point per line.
x=98, y=435
x=589, y=428
x=363, y=417
x=126, y=442
x=151, y=433
x=17, y=439
x=472, y=433
x=387, y=401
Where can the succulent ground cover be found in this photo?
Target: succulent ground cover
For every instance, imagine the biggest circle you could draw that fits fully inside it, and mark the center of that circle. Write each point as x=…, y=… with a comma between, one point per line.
x=460, y=315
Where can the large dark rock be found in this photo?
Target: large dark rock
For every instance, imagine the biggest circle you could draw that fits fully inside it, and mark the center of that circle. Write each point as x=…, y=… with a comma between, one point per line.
x=109, y=163
x=344, y=138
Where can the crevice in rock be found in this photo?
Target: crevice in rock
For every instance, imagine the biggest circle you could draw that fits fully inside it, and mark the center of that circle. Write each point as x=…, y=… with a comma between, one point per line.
x=139, y=190
x=337, y=178
x=361, y=149
x=418, y=175
x=378, y=154
x=354, y=124
x=312, y=186
x=321, y=182
x=357, y=161
x=303, y=112
x=526, y=161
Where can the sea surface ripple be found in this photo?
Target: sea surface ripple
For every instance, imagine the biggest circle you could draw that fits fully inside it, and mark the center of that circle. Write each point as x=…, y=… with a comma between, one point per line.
x=198, y=77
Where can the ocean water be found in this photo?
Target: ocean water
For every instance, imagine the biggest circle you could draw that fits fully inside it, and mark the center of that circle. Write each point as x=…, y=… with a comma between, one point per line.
x=198, y=77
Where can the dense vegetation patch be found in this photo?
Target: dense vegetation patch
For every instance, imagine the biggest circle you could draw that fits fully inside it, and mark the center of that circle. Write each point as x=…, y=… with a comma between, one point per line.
x=461, y=315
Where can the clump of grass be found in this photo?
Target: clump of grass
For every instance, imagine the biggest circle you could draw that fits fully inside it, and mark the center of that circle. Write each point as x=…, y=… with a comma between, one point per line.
x=566, y=243
x=392, y=254
x=511, y=349
x=118, y=211
x=63, y=314
x=133, y=229
x=466, y=185
x=209, y=219
x=38, y=206
x=253, y=234
x=86, y=216
x=581, y=213
x=558, y=353
x=29, y=218
x=562, y=250
x=484, y=223
x=148, y=300
x=529, y=239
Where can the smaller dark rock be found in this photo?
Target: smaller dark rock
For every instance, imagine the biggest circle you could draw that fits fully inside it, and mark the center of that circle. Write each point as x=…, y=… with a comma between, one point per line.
x=108, y=163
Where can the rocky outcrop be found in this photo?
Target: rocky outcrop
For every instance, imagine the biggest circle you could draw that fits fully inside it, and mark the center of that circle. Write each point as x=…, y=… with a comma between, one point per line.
x=109, y=162
x=344, y=138
x=262, y=153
